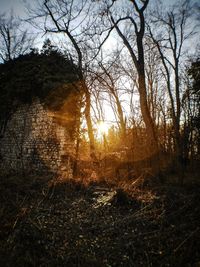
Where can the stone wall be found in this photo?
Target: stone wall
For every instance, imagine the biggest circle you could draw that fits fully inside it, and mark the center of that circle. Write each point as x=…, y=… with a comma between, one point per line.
x=35, y=142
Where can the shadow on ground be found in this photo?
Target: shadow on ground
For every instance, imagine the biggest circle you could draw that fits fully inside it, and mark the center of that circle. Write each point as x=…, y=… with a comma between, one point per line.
x=64, y=223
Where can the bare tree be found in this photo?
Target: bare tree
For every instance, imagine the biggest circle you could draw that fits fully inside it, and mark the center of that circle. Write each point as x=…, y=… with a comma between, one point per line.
x=14, y=39
x=131, y=29
x=106, y=80
x=69, y=18
x=169, y=40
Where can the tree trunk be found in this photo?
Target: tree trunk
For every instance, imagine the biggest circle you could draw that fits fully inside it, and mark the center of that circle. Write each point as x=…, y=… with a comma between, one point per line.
x=150, y=128
x=89, y=123
x=122, y=122
x=145, y=110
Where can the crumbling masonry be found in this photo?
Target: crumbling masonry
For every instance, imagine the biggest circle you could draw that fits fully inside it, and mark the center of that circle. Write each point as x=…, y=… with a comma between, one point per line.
x=35, y=142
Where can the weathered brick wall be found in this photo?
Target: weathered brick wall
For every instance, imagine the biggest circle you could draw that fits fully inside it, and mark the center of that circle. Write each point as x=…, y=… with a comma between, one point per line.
x=35, y=142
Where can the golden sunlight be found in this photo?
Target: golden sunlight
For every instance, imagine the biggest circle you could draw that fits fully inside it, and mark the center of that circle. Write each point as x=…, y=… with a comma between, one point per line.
x=102, y=128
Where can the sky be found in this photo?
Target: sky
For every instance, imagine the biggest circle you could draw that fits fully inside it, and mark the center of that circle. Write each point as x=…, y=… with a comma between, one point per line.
x=18, y=8
x=5, y=5
x=17, y=5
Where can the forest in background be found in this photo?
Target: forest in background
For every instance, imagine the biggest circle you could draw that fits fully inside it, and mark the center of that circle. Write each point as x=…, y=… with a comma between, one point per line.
x=133, y=68
x=135, y=59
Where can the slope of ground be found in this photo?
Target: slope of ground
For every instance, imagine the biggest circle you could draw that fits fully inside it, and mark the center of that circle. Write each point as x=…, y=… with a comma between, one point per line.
x=68, y=224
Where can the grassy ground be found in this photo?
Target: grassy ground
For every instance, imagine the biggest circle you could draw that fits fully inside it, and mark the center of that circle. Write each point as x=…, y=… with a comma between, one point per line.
x=66, y=223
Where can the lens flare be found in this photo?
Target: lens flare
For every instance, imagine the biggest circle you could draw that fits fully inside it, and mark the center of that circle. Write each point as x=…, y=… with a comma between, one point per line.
x=102, y=129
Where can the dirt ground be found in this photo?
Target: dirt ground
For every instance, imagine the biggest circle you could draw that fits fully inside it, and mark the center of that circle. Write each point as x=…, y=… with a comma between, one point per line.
x=43, y=223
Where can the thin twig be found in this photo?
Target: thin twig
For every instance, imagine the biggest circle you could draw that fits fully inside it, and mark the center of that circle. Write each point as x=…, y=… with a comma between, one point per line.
x=183, y=242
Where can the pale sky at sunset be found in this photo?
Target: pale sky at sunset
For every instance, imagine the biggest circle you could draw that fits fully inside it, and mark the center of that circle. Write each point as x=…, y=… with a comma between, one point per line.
x=18, y=8
x=18, y=4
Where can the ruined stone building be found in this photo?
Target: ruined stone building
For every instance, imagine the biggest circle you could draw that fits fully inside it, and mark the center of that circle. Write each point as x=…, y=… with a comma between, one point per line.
x=34, y=141
x=40, y=132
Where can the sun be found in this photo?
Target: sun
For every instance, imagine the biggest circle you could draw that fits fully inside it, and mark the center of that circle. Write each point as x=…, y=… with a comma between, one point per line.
x=102, y=128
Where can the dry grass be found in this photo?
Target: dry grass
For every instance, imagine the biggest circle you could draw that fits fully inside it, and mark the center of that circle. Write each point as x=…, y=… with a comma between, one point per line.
x=93, y=221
